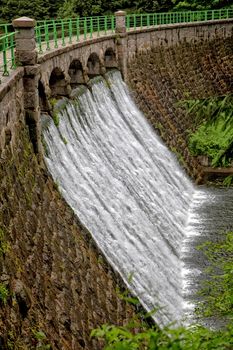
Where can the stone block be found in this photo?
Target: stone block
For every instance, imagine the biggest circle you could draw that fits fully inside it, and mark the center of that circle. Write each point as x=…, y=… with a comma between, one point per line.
x=31, y=100
x=25, y=44
x=23, y=33
x=120, y=22
x=26, y=57
x=32, y=70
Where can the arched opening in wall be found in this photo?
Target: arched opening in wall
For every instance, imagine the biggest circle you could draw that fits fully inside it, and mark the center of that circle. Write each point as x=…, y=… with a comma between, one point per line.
x=44, y=107
x=93, y=65
x=110, y=59
x=76, y=73
x=57, y=83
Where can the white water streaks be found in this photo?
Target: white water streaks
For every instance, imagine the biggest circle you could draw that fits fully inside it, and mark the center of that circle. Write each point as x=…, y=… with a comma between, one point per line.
x=126, y=188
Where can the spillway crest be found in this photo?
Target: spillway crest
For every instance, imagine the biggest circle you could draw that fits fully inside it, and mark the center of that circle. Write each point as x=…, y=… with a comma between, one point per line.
x=126, y=188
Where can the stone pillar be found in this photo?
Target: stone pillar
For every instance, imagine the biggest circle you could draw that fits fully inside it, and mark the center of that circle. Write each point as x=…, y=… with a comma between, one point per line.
x=120, y=22
x=26, y=56
x=121, y=42
x=25, y=52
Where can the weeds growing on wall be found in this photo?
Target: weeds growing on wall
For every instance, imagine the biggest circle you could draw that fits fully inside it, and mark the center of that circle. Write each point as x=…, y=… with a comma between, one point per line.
x=4, y=293
x=213, y=120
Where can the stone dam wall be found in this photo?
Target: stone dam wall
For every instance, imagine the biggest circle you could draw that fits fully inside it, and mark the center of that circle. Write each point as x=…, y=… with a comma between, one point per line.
x=57, y=280
x=165, y=75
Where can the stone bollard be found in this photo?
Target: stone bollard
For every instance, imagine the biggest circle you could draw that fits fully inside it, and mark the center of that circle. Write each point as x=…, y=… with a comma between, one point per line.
x=25, y=52
x=26, y=56
x=120, y=22
x=121, y=42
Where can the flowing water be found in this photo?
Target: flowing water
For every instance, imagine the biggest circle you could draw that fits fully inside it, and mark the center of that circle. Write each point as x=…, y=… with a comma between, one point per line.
x=127, y=189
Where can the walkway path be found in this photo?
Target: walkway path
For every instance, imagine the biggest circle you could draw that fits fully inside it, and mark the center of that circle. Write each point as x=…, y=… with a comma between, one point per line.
x=50, y=47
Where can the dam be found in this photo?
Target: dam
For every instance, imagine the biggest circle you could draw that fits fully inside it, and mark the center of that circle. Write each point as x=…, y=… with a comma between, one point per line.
x=118, y=211
x=131, y=194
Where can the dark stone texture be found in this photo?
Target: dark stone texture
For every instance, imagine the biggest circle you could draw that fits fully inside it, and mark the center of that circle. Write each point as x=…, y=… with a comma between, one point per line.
x=162, y=77
x=57, y=281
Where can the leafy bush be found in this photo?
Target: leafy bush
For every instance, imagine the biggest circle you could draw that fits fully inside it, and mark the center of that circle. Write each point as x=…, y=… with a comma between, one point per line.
x=213, y=122
x=215, y=140
x=180, y=338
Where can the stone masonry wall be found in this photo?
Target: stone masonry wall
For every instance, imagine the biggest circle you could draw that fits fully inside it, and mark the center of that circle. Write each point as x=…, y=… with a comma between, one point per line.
x=141, y=40
x=165, y=75
x=53, y=279
x=57, y=281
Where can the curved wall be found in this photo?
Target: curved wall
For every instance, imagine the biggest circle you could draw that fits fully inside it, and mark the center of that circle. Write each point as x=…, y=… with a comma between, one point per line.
x=161, y=78
x=57, y=280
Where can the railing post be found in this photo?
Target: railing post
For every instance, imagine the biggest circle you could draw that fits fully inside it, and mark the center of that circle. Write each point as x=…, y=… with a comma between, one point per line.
x=120, y=22
x=26, y=55
x=121, y=42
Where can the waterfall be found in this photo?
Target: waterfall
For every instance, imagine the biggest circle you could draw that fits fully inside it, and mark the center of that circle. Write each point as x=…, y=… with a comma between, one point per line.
x=127, y=189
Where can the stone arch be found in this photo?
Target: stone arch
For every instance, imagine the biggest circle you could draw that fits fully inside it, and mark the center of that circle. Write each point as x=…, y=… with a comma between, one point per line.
x=43, y=101
x=93, y=65
x=57, y=83
x=110, y=58
x=76, y=73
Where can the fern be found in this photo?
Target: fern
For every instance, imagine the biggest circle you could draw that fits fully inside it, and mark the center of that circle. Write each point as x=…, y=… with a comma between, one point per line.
x=214, y=128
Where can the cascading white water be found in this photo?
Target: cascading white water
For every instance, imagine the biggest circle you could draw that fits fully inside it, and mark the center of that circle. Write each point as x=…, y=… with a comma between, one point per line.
x=127, y=189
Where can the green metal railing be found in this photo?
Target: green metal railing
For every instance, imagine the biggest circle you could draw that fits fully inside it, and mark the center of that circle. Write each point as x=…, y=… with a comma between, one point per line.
x=6, y=29
x=52, y=34
x=139, y=21
x=7, y=53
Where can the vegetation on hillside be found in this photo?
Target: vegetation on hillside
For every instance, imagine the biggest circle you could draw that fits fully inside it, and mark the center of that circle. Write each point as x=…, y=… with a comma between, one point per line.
x=44, y=9
x=213, y=135
x=217, y=301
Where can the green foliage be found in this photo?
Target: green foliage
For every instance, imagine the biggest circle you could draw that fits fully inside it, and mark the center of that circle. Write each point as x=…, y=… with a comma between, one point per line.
x=214, y=134
x=209, y=109
x=4, y=293
x=41, y=338
x=67, y=9
x=56, y=119
x=4, y=245
x=44, y=9
x=37, y=9
x=217, y=290
x=152, y=338
x=214, y=140
x=178, y=155
x=127, y=297
x=228, y=180
x=64, y=140
x=200, y=4
x=53, y=101
x=217, y=300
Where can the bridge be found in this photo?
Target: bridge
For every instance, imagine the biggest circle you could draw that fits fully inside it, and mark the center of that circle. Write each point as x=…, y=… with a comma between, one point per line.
x=47, y=60
x=58, y=279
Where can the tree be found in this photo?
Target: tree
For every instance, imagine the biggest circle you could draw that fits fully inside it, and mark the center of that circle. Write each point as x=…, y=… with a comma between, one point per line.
x=201, y=4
